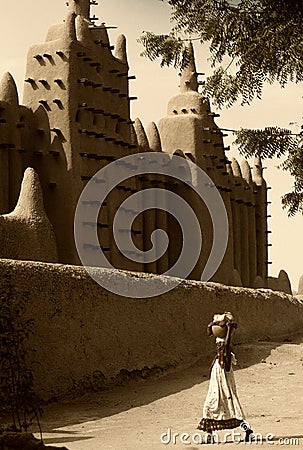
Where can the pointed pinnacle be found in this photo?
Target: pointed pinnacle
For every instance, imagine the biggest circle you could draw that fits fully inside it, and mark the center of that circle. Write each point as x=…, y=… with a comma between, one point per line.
x=189, y=76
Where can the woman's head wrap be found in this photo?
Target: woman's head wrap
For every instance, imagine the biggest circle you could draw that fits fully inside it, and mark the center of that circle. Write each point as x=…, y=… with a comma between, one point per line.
x=222, y=320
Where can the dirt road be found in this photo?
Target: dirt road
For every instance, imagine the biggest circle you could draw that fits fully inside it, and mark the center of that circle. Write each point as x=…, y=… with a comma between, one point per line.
x=270, y=387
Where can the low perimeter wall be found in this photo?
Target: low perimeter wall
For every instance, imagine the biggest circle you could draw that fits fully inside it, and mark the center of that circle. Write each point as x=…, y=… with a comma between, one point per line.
x=86, y=336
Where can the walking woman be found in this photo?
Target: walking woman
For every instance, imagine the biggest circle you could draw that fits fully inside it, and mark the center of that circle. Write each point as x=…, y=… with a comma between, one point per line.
x=222, y=409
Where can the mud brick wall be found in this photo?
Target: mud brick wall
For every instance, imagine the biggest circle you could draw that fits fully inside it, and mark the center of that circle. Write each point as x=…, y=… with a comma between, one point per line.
x=84, y=334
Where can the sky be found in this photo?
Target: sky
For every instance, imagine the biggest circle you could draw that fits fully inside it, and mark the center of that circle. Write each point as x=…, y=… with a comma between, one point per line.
x=25, y=22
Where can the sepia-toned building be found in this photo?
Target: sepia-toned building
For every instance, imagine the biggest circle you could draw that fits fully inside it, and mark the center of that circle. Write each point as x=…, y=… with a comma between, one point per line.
x=75, y=119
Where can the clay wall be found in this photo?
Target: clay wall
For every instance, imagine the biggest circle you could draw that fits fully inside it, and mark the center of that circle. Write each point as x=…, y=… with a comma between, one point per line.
x=85, y=335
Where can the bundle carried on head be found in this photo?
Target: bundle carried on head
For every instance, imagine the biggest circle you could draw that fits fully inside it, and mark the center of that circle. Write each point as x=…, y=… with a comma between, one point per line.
x=221, y=328
x=220, y=324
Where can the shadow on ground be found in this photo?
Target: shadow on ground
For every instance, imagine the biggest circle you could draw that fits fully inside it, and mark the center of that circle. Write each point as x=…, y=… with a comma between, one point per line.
x=96, y=405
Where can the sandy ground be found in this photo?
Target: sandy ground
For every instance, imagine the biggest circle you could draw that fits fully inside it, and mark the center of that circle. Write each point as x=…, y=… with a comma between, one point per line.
x=269, y=382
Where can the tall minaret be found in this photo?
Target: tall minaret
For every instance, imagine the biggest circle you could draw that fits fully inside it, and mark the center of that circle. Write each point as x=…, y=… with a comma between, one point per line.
x=189, y=124
x=189, y=127
x=80, y=7
x=83, y=90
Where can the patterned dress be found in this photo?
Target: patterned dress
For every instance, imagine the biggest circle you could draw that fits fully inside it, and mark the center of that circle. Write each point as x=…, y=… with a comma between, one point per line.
x=222, y=408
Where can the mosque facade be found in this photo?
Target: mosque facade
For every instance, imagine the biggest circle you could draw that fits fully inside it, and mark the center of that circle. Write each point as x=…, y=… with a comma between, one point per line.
x=75, y=119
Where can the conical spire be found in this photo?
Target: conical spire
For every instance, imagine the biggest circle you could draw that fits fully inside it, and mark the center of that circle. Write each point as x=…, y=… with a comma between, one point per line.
x=8, y=90
x=30, y=202
x=257, y=171
x=26, y=232
x=236, y=168
x=120, y=46
x=141, y=136
x=246, y=172
x=189, y=77
x=153, y=137
x=80, y=7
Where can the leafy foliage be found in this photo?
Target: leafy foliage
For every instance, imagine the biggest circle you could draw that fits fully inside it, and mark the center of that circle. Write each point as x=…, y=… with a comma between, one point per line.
x=17, y=397
x=294, y=164
x=269, y=143
x=172, y=49
x=277, y=142
x=260, y=40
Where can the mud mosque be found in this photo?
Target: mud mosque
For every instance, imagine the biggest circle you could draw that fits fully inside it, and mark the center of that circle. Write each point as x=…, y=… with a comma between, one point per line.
x=75, y=118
